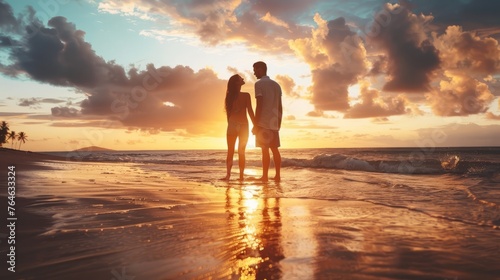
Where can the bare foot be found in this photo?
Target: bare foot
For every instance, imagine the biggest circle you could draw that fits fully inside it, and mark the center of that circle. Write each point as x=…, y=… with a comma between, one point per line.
x=277, y=178
x=262, y=179
x=225, y=178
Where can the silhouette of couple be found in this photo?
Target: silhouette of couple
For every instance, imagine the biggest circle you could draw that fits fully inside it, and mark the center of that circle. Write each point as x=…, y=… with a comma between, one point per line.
x=266, y=121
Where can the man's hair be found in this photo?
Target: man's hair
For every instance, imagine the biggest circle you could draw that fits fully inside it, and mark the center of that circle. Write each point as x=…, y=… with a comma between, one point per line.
x=261, y=65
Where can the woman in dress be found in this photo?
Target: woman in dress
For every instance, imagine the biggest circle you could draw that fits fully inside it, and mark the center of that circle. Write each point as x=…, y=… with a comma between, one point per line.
x=237, y=104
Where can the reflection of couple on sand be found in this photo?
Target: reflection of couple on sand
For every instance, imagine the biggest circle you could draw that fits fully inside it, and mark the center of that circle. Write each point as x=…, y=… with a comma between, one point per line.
x=266, y=121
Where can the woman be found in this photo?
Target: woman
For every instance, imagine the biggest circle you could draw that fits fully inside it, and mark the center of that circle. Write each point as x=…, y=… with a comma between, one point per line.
x=237, y=104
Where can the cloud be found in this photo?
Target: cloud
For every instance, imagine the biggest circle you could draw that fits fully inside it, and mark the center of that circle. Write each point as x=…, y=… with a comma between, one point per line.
x=288, y=85
x=452, y=65
x=276, y=21
x=466, y=52
x=65, y=112
x=195, y=100
x=73, y=123
x=262, y=25
x=211, y=20
x=337, y=59
x=372, y=105
x=316, y=113
x=460, y=95
x=162, y=98
x=12, y=114
x=381, y=120
x=60, y=56
x=471, y=15
x=33, y=102
x=491, y=116
x=411, y=57
x=8, y=22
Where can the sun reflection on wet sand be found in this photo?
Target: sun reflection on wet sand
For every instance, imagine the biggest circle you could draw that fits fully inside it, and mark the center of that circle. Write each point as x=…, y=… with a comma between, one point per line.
x=258, y=237
x=301, y=243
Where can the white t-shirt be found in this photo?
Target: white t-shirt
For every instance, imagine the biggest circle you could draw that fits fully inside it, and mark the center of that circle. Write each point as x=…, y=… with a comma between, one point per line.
x=271, y=99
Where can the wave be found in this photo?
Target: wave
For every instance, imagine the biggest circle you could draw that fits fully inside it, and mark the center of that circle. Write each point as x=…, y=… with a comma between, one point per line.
x=451, y=164
x=448, y=164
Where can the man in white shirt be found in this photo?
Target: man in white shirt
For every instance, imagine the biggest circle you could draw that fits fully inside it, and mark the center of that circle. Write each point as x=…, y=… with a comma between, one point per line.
x=268, y=115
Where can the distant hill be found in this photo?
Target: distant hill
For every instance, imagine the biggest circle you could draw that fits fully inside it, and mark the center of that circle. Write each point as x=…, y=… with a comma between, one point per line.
x=92, y=149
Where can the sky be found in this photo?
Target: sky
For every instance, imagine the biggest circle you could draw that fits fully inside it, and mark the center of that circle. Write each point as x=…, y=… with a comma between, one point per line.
x=152, y=75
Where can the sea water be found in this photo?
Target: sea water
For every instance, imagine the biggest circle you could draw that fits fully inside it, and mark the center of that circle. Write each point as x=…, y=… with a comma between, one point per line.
x=381, y=213
x=458, y=184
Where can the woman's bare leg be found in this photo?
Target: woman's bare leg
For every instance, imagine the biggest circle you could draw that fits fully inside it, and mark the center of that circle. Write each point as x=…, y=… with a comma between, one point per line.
x=231, y=140
x=241, y=155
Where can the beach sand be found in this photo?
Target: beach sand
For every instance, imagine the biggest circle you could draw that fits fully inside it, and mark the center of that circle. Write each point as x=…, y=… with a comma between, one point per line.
x=88, y=220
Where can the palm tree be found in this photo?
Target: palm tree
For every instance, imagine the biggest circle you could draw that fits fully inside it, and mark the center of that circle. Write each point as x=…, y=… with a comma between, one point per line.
x=21, y=137
x=12, y=136
x=4, y=129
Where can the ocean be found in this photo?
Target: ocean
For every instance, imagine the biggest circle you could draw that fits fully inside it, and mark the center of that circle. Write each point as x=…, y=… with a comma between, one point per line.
x=371, y=213
x=457, y=184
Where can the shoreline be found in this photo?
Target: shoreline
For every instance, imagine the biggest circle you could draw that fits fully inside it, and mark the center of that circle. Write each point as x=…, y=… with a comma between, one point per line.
x=110, y=220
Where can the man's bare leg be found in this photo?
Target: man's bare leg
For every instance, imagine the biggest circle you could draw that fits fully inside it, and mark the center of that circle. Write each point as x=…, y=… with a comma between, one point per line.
x=277, y=163
x=266, y=159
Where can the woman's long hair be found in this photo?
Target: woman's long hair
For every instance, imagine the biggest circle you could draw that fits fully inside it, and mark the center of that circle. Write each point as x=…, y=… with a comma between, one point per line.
x=233, y=88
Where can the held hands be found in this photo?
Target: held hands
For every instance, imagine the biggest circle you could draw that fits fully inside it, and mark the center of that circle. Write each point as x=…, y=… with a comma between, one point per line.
x=255, y=130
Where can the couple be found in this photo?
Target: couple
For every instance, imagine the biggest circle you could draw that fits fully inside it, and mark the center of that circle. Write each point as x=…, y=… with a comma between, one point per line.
x=266, y=121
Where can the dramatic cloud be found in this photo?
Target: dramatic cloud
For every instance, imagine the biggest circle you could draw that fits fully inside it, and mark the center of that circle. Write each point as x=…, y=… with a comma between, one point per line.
x=411, y=56
x=162, y=98
x=157, y=98
x=390, y=49
x=372, y=105
x=466, y=86
x=263, y=25
x=337, y=58
x=467, y=52
x=177, y=98
x=460, y=95
x=60, y=56
x=396, y=43
x=211, y=20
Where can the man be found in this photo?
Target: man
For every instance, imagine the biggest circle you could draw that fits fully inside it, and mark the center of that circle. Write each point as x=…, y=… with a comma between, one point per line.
x=268, y=115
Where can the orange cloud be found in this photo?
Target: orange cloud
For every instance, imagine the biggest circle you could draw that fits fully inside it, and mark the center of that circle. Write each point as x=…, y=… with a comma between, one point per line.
x=276, y=21
x=287, y=85
x=465, y=51
x=163, y=99
x=261, y=25
x=372, y=105
x=460, y=95
x=155, y=99
x=337, y=59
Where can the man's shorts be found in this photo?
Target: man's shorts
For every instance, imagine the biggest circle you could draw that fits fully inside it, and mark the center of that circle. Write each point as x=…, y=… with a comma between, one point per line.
x=267, y=138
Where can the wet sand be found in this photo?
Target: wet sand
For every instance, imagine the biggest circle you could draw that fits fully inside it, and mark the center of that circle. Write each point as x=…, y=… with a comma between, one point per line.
x=86, y=220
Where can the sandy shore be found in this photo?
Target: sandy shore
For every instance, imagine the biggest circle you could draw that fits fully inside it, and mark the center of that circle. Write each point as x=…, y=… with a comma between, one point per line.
x=85, y=220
